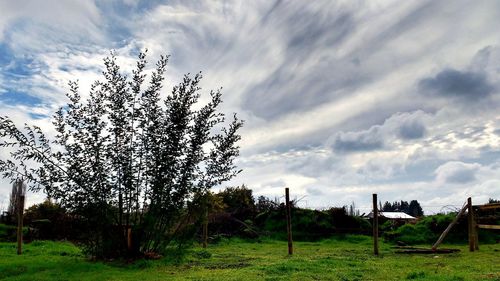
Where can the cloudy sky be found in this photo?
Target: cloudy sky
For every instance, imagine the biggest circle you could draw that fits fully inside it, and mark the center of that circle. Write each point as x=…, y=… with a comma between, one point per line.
x=341, y=99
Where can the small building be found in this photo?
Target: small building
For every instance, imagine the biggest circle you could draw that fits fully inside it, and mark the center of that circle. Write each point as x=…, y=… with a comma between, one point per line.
x=395, y=216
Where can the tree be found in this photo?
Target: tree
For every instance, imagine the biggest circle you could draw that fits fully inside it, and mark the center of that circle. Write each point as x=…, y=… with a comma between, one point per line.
x=352, y=210
x=265, y=204
x=18, y=190
x=50, y=221
x=387, y=207
x=414, y=209
x=239, y=202
x=125, y=157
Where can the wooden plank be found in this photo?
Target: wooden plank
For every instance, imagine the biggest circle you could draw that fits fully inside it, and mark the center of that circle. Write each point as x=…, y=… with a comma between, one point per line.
x=427, y=251
x=445, y=232
x=289, y=221
x=488, y=226
x=488, y=206
x=375, y=225
x=474, y=228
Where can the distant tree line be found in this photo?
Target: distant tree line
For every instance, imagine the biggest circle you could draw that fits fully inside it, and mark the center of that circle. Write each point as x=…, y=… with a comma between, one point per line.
x=413, y=208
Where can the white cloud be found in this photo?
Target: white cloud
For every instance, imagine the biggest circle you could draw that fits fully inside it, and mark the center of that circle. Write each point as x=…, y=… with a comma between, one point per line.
x=304, y=77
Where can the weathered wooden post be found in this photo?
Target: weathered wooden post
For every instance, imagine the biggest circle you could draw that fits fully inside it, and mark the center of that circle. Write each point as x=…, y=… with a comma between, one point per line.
x=129, y=238
x=375, y=225
x=470, y=219
x=289, y=221
x=205, y=228
x=20, y=213
x=445, y=232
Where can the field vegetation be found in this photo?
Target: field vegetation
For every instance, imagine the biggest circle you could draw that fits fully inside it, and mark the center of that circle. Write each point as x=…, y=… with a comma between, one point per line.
x=341, y=258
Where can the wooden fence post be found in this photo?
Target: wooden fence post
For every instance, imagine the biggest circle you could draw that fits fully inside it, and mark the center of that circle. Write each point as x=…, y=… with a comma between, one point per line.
x=20, y=224
x=375, y=225
x=129, y=238
x=289, y=221
x=470, y=219
x=205, y=228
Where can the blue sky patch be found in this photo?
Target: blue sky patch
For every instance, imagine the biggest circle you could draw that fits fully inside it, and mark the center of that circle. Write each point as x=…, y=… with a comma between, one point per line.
x=19, y=98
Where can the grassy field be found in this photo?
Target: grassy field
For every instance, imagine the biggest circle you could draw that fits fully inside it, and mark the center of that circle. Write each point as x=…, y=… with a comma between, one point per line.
x=349, y=258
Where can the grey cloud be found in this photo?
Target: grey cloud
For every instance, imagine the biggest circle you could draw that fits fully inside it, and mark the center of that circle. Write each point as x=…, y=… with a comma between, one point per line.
x=305, y=79
x=466, y=85
x=328, y=77
x=359, y=141
x=412, y=130
x=457, y=172
x=277, y=183
x=314, y=191
x=486, y=60
x=407, y=126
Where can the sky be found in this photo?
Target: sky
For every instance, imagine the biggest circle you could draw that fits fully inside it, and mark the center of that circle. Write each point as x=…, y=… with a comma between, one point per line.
x=341, y=99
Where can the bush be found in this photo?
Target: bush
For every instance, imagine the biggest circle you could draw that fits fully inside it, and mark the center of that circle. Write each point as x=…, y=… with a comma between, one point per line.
x=428, y=229
x=8, y=233
x=411, y=234
x=310, y=225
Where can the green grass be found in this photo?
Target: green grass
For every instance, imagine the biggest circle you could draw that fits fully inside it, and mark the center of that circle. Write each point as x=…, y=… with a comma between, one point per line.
x=349, y=258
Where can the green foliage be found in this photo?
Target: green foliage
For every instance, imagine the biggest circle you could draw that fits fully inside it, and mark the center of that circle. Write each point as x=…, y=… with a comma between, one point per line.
x=49, y=220
x=127, y=156
x=427, y=230
x=415, y=275
x=202, y=254
x=8, y=233
x=342, y=258
x=310, y=225
x=239, y=202
x=413, y=234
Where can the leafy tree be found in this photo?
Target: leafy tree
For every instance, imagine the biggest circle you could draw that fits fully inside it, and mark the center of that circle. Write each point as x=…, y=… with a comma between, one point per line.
x=18, y=189
x=239, y=202
x=265, y=204
x=126, y=157
x=414, y=209
x=49, y=220
x=387, y=207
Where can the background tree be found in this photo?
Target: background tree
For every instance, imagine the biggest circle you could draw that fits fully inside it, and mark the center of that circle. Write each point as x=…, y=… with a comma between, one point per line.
x=413, y=208
x=265, y=204
x=239, y=202
x=127, y=158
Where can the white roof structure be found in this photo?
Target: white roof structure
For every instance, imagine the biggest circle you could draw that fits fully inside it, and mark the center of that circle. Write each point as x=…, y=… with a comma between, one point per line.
x=396, y=215
x=393, y=215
